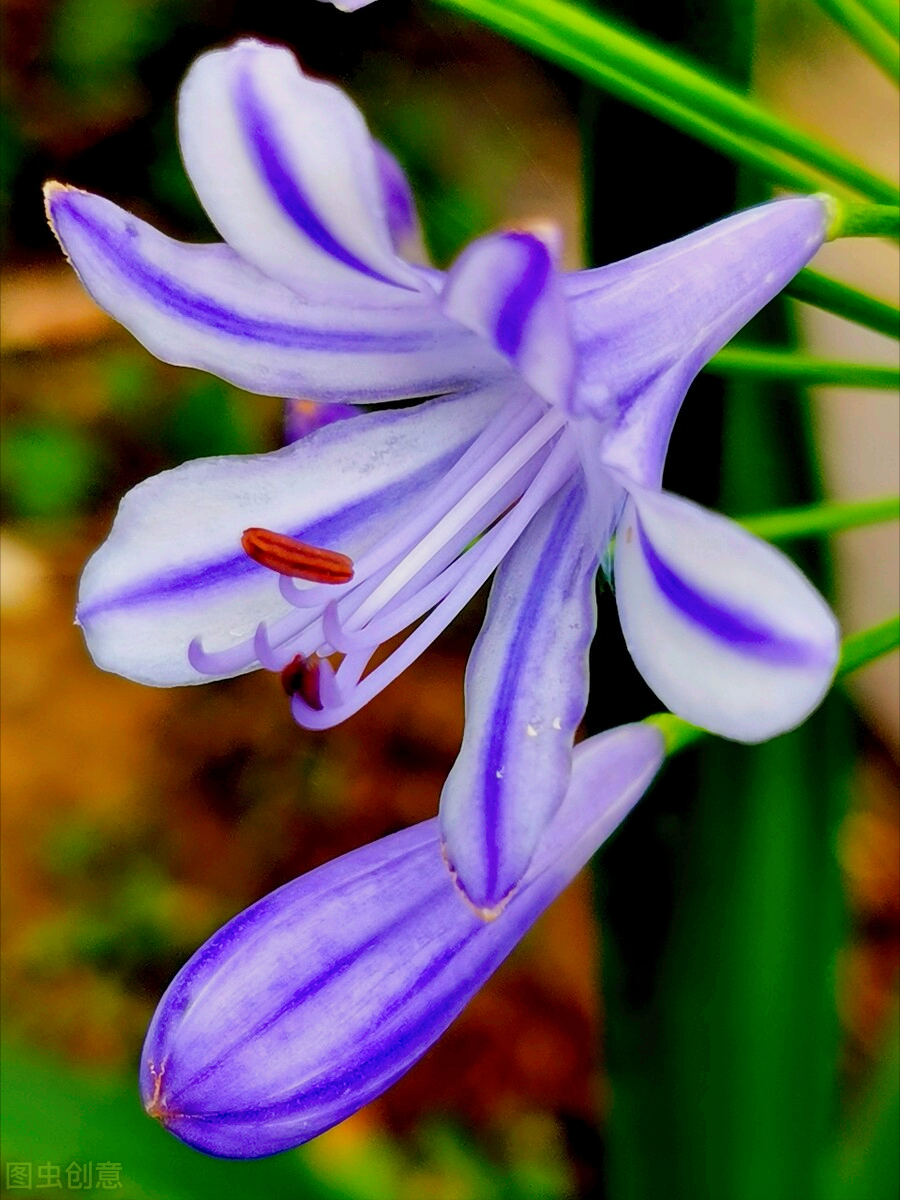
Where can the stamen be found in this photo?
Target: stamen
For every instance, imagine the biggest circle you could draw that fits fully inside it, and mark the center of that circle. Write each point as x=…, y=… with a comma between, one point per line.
x=301, y=677
x=484, y=558
x=287, y=556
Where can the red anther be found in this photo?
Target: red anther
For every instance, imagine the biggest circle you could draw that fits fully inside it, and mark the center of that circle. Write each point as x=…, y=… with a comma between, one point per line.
x=287, y=556
x=301, y=677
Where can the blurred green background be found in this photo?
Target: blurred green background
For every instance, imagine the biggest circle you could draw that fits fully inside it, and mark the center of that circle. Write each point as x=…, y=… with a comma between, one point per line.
x=135, y=821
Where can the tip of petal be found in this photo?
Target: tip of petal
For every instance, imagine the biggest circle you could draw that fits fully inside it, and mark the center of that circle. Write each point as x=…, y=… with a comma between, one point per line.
x=487, y=914
x=51, y=190
x=54, y=194
x=543, y=230
x=155, y=1104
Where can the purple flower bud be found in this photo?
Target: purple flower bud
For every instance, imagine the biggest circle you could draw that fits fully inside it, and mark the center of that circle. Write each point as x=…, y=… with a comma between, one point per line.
x=316, y=999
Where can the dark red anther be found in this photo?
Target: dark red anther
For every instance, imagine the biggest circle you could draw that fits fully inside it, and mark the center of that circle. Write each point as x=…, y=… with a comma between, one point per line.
x=287, y=556
x=301, y=677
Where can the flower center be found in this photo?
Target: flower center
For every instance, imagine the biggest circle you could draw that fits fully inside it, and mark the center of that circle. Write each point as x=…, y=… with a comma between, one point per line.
x=418, y=577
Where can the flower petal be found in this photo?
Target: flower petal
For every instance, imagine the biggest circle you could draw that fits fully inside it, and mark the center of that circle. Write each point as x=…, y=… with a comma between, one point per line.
x=505, y=287
x=173, y=568
x=315, y=1000
x=400, y=206
x=289, y=176
x=202, y=306
x=645, y=326
x=725, y=629
x=526, y=690
x=349, y=6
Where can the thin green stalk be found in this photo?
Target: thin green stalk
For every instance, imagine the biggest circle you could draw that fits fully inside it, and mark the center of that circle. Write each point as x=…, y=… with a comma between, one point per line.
x=857, y=650
x=656, y=80
x=777, y=168
x=845, y=301
x=785, y=364
x=868, y=33
x=864, y=220
x=886, y=13
x=814, y=520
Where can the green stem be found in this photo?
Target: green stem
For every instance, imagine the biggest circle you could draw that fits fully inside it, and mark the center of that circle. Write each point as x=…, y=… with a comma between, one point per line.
x=785, y=364
x=845, y=301
x=858, y=650
x=887, y=13
x=815, y=520
x=864, y=220
x=868, y=33
x=656, y=80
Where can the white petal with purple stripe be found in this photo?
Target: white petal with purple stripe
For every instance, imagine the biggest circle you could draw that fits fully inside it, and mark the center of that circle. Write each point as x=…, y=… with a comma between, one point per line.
x=315, y=1000
x=506, y=289
x=526, y=690
x=173, y=570
x=645, y=326
x=725, y=629
x=203, y=306
x=285, y=167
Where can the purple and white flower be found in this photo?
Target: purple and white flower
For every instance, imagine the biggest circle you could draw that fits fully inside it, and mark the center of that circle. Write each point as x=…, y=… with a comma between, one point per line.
x=550, y=400
x=316, y=999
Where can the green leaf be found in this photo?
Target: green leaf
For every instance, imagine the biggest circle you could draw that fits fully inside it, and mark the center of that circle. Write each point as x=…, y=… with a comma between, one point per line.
x=51, y=1114
x=672, y=88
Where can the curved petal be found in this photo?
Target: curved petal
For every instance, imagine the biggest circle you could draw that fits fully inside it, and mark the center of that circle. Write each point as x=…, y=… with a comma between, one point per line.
x=286, y=169
x=173, y=569
x=526, y=690
x=400, y=207
x=349, y=6
x=315, y=1000
x=506, y=289
x=202, y=306
x=724, y=628
x=645, y=326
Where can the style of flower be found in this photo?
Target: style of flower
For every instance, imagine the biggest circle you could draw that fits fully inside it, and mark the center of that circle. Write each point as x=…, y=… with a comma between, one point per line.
x=550, y=402
x=316, y=999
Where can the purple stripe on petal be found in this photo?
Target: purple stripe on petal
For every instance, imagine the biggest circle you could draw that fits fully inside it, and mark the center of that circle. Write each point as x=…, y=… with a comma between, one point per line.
x=495, y=791
x=121, y=252
x=399, y=1046
x=740, y=630
x=518, y=305
x=230, y=569
x=399, y=205
x=263, y=143
x=310, y=988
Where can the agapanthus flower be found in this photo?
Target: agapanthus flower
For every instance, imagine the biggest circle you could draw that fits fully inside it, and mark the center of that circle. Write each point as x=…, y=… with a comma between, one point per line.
x=317, y=998
x=550, y=399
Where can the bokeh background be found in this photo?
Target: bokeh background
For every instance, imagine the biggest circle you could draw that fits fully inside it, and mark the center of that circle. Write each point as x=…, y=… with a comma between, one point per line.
x=136, y=821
